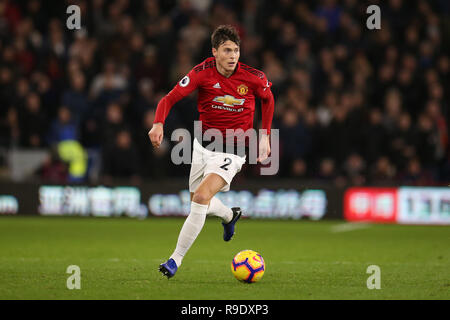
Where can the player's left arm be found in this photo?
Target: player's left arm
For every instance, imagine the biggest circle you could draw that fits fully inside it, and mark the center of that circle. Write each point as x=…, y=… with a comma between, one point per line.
x=267, y=107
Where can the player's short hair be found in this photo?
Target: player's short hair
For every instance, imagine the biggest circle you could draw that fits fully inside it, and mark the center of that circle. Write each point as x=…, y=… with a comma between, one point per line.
x=224, y=33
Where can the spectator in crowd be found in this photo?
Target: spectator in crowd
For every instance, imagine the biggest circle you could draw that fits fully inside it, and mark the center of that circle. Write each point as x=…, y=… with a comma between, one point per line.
x=108, y=85
x=121, y=160
x=294, y=140
x=401, y=141
x=155, y=161
x=150, y=68
x=62, y=128
x=327, y=170
x=355, y=169
x=53, y=169
x=382, y=170
x=9, y=129
x=75, y=98
x=144, y=99
x=414, y=174
x=113, y=123
x=375, y=135
x=33, y=122
x=298, y=169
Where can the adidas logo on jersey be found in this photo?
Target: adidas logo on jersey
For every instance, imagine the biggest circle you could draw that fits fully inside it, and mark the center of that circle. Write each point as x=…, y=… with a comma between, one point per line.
x=217, y=86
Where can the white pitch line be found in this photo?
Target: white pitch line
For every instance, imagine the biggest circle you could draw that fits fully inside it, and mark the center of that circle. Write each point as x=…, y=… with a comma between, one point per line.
x=346, y=227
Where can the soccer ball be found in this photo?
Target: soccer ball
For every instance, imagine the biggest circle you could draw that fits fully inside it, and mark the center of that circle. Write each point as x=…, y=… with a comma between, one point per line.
x=248, y=266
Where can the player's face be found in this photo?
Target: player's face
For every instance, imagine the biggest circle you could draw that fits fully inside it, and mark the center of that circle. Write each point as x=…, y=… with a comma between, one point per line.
x=227, y=56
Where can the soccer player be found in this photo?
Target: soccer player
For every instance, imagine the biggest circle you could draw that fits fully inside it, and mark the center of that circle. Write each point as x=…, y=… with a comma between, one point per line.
x=226, y=100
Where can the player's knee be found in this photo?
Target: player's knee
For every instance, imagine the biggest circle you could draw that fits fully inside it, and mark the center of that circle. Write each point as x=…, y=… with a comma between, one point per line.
x=201, y=197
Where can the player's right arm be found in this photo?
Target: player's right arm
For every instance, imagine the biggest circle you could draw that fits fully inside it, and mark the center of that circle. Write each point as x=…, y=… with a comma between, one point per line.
x=183, y=88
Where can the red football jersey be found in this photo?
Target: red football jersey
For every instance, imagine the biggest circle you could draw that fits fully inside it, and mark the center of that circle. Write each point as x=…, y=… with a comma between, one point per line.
x=223, y=103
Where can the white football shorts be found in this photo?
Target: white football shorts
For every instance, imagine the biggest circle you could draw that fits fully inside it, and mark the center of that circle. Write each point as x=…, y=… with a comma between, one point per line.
x=205, y=161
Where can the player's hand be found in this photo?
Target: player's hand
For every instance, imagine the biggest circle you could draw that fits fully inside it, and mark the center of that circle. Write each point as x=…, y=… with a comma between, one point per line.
x=264, y=148
x=156, y=134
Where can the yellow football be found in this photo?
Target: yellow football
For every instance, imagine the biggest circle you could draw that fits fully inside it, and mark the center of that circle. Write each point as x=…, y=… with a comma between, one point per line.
x=248, y=266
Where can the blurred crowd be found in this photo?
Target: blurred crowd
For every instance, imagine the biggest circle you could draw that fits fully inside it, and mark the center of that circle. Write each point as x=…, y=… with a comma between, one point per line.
x=354, y=106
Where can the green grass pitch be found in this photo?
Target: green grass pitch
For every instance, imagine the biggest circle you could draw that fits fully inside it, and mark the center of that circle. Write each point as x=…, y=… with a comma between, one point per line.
x=119, y=258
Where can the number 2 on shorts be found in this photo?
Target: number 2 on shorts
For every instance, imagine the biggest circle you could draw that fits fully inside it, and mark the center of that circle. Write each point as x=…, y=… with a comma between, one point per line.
x=227, y=163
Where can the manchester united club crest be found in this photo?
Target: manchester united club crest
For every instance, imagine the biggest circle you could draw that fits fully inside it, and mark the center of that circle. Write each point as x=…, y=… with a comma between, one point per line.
x=242, y=89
